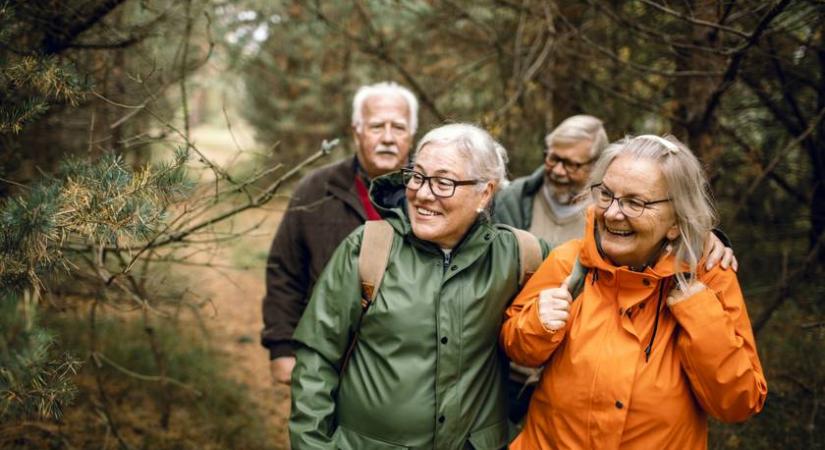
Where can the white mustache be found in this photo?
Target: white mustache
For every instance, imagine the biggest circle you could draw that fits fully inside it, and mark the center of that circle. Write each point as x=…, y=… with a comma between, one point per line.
x=560, y=180
x=386, y=149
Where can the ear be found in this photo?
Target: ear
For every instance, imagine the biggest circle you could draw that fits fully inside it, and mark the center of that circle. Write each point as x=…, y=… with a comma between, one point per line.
x=487, y=194
x=355, y=137
x=673, y=232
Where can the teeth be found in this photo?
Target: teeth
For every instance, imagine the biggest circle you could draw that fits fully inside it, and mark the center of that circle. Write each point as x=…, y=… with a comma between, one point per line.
x=619, y=232
x=426, y=212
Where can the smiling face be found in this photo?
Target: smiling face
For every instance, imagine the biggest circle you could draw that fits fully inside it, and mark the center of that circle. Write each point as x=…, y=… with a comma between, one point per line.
x=632, y=241
x=566, y=185
x=444, y=221
x=383, y=138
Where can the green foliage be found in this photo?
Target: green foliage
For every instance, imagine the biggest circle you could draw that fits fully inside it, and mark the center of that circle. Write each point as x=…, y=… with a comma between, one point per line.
x=35, y=378
x=87, y=203
x=210, y=410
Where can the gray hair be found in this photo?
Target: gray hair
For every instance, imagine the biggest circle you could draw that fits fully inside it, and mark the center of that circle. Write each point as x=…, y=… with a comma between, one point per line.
x=688, y=191
x=575, y=129
x=486, y=158
x=381, y=89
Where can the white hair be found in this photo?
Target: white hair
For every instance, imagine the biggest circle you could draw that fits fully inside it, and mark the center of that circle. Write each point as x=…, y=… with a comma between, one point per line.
x=486, y=158
x=688, y=191
x=384, y=88
x=575, y=129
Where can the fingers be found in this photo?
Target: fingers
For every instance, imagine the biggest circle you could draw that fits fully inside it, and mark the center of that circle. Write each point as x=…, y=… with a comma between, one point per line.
x=281, y=369
x=715, y=251
x=554, y=308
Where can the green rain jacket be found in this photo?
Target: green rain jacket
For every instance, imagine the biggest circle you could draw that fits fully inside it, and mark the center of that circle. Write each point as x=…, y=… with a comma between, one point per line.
x=514, y=203
x=427, y=371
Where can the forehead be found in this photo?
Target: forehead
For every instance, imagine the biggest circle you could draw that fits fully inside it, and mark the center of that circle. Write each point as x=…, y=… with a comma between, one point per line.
x=387, y=107
x=578, y=151
x=439, y=159
x=631, y=176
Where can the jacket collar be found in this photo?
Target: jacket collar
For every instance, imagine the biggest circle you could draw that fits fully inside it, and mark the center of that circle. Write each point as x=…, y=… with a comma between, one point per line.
x=341, y=185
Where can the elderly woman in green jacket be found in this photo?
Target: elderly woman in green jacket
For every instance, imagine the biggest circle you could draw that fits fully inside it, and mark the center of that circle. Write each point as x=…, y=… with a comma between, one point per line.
x=426, y=371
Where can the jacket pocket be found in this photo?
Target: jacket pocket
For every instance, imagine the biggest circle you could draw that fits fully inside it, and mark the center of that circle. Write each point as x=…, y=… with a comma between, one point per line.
x=492, y=437
x=346, y=439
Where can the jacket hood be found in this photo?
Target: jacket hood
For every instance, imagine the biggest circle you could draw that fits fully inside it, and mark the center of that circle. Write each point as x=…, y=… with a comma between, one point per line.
x=592, y=257
x=387, y=194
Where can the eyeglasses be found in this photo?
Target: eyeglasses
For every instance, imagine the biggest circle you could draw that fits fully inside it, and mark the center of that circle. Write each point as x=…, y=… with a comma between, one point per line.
x=439, y=186
x=570, y=166
x=630, y=207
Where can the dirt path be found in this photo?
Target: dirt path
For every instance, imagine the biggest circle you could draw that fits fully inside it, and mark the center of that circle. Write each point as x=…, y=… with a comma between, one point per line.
x=235, y=322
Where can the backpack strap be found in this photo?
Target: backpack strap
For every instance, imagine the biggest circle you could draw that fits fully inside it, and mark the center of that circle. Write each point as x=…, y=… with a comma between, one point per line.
x=576, y=283
x=373, y=258
x=529, y=253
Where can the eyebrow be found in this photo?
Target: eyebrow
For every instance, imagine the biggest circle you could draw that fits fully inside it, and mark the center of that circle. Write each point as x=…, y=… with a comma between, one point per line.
x=437, y=173
x=636, y=196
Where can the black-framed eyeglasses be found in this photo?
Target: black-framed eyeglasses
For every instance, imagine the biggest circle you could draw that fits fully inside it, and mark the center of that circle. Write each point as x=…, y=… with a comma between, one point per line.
x=439, y=186
x=570, y=166
x=630, y=207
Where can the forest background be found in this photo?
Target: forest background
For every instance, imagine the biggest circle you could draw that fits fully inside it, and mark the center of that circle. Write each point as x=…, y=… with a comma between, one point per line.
x=147, y=148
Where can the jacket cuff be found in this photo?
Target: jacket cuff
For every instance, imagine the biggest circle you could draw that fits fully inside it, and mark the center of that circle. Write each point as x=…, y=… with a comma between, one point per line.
x=282, y=348
x=699, y=311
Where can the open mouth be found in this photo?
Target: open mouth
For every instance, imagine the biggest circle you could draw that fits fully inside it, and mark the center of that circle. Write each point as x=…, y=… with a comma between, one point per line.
x=617, y=232
x=426, y=212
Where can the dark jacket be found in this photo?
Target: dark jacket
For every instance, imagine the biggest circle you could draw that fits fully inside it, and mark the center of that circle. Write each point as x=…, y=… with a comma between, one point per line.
x=324, y=209
x=514, y=203
x=427, y=371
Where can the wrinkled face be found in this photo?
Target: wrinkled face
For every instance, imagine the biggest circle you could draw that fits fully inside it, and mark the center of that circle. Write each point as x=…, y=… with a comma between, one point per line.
x=632, y=241
x=444, y=221
x=383, y=138
x=566, y=184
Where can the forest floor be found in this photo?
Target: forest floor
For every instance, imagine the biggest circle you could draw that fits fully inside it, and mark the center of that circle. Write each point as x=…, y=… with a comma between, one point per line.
x=233, y=321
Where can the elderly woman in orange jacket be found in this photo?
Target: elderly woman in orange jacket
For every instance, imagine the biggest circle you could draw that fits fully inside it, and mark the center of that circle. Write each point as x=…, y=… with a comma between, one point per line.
x=654, y=343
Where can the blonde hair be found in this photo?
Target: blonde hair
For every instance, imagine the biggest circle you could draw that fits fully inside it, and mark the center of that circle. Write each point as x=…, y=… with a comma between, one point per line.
x=687, y=187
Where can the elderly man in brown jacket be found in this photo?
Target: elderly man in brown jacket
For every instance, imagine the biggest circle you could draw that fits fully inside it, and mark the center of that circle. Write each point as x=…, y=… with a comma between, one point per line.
x=327, y=205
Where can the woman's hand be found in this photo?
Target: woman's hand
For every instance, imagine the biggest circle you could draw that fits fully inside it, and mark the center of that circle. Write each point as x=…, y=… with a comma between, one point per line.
x=554, y=307
x=677, y=295
x=717, y=253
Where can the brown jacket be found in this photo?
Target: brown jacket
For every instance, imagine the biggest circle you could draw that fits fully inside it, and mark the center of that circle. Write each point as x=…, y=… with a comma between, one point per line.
x=324, y=209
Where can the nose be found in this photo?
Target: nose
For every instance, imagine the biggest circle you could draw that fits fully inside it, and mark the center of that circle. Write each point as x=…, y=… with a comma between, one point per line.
x=614, y=210
x=387, y=136
x=425, y=192
x=558, y=168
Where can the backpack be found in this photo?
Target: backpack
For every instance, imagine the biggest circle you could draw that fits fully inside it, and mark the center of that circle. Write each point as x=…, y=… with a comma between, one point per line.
x=373, y=259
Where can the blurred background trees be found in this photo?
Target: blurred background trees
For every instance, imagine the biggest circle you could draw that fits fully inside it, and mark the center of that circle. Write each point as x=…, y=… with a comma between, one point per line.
x=740, y=82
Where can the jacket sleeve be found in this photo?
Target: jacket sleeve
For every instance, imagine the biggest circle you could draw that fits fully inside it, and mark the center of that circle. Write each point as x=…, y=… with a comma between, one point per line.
x=523, y=337
x=287, y=278
x=323, y=334
x=718, y=351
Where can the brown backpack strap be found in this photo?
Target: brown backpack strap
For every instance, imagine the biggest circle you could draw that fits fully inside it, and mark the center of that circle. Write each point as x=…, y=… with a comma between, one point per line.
x=373, y=258
x=529, y=253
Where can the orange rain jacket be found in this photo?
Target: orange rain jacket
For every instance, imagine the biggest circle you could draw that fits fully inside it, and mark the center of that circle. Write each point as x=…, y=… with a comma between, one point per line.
x=598, y=392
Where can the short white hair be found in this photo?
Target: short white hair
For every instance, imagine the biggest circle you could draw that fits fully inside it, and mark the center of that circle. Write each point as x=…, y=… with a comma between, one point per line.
x=486, y=158
x=384, y=88
x=687, y=186
x=575, y=129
